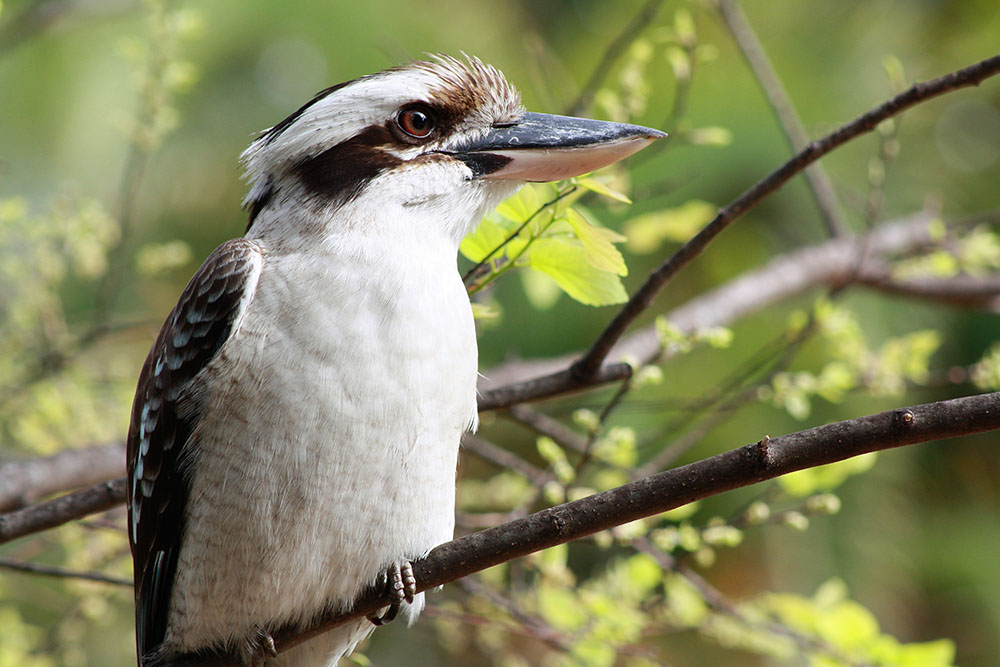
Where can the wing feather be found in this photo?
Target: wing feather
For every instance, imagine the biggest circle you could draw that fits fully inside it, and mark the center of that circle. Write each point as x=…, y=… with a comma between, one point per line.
x=207, y=313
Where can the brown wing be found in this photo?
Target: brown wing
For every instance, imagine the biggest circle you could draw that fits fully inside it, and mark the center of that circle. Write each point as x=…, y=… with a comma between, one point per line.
x=205, y=316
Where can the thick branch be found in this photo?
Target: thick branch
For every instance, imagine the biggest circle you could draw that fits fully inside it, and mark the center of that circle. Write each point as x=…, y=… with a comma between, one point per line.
x=793, y=273
x=970, y=291
x=766, y=459
x=23, y=482
x=35, y=519
x=972, y=75
x=558, y=383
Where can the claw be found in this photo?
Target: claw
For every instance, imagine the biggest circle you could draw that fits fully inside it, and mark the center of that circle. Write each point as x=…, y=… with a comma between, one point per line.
x=262, y=648
x=408, y=581
x=400, y=586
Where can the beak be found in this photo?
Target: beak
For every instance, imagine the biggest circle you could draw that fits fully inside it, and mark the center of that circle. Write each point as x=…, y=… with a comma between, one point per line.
x=541, y=147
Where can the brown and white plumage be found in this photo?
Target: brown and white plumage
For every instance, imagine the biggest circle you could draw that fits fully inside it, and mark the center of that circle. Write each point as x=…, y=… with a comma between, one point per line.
x=295, y=429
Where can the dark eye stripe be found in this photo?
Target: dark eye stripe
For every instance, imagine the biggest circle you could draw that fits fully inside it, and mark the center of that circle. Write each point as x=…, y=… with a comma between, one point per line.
x=339, y=173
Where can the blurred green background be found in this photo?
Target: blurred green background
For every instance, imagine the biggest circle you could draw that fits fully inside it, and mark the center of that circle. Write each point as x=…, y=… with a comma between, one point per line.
x=918, y=538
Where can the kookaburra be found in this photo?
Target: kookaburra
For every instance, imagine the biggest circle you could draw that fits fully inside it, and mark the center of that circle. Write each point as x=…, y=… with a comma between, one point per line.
x=296, y=425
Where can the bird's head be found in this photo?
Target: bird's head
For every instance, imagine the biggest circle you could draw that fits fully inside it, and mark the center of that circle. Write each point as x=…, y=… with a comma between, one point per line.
x=439, y=140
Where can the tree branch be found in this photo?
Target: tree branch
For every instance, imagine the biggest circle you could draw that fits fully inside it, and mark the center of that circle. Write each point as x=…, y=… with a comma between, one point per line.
x=556, y=384
x=590, y=363
x=826, y=264
x=611, y=54
x=819, y=183
x=795, y=272
x=35, y=519
x=23, y=482
x=747, y=465
x=60, y=572
x=971, y=291
x=766, y=459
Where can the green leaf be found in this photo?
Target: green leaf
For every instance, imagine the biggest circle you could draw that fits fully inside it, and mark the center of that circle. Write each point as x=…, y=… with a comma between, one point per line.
x=594, y=652
x=849, y=626
x=556, y=556
x=684, y=26
x=566, y=263
x=598, y=243
x=893, y=67
x=599, y=188
x=483, y=240
x=643, y=573
x=682, y=512
x=617, y=448
x=680, y=62
x=986, y=372
x=717, y=337
x=671, y=335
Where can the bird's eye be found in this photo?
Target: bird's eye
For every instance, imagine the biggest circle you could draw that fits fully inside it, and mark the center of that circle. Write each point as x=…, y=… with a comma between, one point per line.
x=416, y=122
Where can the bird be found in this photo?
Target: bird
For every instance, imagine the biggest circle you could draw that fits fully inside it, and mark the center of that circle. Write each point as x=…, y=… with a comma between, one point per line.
x=295, y=430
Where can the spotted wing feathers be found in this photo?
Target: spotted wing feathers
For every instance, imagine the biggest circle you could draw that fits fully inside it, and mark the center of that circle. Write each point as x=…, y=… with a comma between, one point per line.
x=164, y=415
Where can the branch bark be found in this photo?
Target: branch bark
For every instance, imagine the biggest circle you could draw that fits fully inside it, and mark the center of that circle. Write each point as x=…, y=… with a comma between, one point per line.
x=98, y=498
x=23, y=482
x=590, y=363
x=793, y=273
x=763, y=460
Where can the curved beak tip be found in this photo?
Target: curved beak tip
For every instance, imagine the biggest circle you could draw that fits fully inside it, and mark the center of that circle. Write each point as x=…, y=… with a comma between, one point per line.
x=544, y=147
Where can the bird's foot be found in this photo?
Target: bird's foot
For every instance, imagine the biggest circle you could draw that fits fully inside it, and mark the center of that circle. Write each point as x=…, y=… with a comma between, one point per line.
x=260, y=649
x=400, y=586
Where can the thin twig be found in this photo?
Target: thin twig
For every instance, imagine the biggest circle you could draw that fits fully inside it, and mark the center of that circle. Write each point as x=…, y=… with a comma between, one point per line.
x=611, y=54
x=972, y=75
x=535, y=625
x=782, y=351
x=547, y=426
x=718, y=602
x=474, y=271
x=504, y=458
x=53, y=571
x=819, y=183
x=602, y=418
